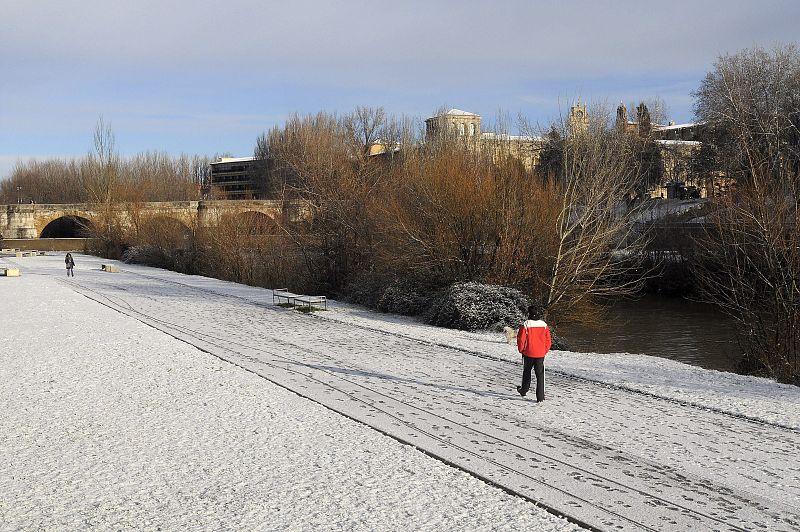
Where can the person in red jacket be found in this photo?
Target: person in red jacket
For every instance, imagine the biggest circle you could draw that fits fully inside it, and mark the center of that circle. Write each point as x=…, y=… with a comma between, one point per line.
x=533, y=341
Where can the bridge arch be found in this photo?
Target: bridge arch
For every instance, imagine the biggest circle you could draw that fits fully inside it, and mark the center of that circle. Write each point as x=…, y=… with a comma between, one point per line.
x=68, y=226
x=253, y=223
x=28, y=221
x=163, y=230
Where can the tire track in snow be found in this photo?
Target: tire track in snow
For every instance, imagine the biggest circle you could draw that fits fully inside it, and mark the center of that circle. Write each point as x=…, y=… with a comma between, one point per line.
x=198, y=334
x=563, y=374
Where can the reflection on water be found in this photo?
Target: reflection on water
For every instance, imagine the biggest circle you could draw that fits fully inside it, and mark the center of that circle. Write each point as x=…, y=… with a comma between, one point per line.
x=667, y=327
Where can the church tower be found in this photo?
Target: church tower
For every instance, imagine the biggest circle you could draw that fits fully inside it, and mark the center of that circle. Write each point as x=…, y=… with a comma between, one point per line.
x=578, y=119
x=622, y=117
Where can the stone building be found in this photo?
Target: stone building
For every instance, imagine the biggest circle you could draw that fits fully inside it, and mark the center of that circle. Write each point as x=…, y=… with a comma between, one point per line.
x=677, y=149
x=454, y=123
x=578, y=119
x=678, y=180
x=466, y=126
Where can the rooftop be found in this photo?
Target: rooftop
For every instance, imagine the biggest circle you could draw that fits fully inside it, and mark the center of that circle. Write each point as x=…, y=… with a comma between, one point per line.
x=674, y=126
x=502, y=136
x=454, y=112
x=678, y=142
x=223, y=160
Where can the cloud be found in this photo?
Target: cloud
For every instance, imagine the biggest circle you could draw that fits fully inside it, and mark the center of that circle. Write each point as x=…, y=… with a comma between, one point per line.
x=359, y=43
x=203, y=76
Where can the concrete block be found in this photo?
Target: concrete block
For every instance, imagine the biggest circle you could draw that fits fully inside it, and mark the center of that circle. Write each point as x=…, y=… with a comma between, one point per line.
x=111, y=268
x=11, y=272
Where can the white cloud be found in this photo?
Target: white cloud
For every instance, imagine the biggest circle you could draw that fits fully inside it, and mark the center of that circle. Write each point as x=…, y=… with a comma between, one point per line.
x=361, y=43
x=203, y=75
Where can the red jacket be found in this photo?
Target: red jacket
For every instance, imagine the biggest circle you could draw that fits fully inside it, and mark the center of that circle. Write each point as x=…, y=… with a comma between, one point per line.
x=533, y=339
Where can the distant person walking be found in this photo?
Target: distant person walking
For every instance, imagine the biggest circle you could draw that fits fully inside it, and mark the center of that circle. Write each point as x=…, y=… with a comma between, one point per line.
x=533, y=341
x=70, y=262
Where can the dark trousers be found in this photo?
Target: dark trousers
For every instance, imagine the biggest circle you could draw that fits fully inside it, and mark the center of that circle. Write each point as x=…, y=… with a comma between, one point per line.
x=536, y=364
x=70, y=272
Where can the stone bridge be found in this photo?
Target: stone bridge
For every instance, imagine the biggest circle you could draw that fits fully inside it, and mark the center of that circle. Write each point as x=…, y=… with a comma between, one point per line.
x=71, y=220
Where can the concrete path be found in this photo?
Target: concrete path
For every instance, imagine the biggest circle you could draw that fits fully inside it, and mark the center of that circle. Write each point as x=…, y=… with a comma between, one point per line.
x=609, y=458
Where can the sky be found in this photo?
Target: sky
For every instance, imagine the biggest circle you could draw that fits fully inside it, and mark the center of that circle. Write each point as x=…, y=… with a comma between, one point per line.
x=208, y=77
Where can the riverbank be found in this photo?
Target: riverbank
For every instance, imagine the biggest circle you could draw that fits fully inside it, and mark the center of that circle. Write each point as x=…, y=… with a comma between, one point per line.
x=621, y=440
x=670, y=327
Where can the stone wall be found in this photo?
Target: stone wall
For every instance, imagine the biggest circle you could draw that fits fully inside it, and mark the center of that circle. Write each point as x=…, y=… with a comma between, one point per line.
x=27, y=221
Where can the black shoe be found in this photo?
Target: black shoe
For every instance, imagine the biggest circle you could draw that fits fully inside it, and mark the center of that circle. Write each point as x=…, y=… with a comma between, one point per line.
x=519, y=391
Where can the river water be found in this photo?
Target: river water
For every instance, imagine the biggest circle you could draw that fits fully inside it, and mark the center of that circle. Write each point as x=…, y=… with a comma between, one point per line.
x=668, y=327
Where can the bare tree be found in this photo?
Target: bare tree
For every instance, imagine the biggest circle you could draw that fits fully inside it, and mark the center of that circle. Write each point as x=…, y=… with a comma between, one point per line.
x=750, y=102
x=658, y=109
x=750, y=262
x=315, y=160
x=102, y=164
x=750, y=267
x=442, y=216
x=149, y=176
x=364, y=125
x=591, y=245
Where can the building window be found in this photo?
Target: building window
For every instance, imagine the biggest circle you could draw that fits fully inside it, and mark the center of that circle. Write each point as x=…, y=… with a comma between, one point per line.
x=461, y=129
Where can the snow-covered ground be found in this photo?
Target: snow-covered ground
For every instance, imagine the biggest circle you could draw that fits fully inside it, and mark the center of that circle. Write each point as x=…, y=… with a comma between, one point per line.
x=152, y=399
x=108, y=423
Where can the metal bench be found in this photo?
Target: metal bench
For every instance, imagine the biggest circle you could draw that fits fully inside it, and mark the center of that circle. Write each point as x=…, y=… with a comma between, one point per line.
x=279, y=294
x=310, y=301
x=283, y=294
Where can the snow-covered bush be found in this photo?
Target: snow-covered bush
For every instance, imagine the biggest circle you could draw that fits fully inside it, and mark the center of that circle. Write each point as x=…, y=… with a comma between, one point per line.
x=409, y=295
x=474, y=306
x=559, y=344
x=404, y=297
x=366, y=289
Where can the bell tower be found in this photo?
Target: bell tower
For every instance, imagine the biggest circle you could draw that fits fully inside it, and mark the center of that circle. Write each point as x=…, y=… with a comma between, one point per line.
x=622, y=117
x=578, y=119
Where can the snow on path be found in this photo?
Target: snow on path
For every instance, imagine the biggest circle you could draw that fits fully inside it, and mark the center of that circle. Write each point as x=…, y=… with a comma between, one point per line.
x=106, y=423
x=602, y=454
x=752, y=397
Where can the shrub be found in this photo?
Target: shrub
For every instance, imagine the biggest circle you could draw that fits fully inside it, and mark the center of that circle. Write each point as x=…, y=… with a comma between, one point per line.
x=409, y=295
x=474, y=306
x=559, y=344
x=366, y=289
x=752, y=365
x=404, y=296
x=149, y=256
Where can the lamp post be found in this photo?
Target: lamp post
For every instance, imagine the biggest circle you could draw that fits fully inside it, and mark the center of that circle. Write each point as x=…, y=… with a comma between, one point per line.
x=19, y=194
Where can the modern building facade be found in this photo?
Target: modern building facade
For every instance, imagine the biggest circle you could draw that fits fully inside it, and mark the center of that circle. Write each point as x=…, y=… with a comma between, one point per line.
x=232, y=178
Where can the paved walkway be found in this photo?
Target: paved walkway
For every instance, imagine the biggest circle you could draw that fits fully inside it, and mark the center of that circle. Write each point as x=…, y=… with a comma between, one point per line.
x=611, y=458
